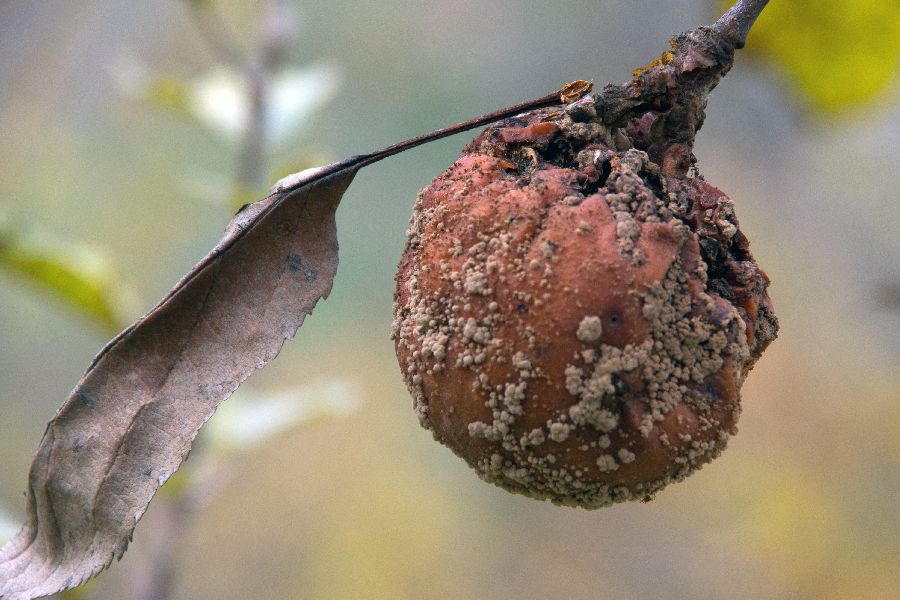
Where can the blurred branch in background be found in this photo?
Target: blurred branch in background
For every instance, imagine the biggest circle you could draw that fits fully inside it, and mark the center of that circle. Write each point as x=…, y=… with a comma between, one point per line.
x=278, y=33
x=888, y=295
x=254, y=99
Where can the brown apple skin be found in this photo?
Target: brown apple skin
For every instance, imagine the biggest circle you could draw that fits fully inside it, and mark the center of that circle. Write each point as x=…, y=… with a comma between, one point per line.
x=574, y=320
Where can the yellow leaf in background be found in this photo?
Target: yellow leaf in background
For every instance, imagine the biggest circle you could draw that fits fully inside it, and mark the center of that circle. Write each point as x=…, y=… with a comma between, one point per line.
x=168, y=92
x=163, y=91
x=838, y=53
x=82, y=592
x=80, y=277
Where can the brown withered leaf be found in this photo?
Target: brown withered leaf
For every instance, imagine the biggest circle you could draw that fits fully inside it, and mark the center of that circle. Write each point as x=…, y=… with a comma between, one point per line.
x=130, y=421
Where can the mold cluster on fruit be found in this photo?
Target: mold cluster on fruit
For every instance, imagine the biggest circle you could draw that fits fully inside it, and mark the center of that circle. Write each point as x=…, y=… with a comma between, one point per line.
x=576, y=307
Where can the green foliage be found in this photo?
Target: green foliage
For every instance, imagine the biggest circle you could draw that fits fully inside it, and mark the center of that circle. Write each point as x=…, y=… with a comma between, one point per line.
x=839, y=54
x=78, y=276
x=82, y=592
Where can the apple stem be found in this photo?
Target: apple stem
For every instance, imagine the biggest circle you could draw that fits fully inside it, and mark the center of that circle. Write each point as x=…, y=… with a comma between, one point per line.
x=565, y=95
x=568, y=93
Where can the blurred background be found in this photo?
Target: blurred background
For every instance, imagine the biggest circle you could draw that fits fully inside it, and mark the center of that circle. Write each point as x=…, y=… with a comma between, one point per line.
x=129, y=138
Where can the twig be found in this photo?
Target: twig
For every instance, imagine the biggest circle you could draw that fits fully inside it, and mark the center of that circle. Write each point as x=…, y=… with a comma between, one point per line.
x=157, y=581
x=276, y=37
x=251, y=168
x=215, y=34
x=736, y=23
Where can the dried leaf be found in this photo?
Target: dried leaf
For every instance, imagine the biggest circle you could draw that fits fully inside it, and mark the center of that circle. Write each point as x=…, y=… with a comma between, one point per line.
x=129, y=423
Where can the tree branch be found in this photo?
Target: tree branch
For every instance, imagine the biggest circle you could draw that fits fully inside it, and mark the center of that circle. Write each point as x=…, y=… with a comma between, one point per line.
x=736, y=23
